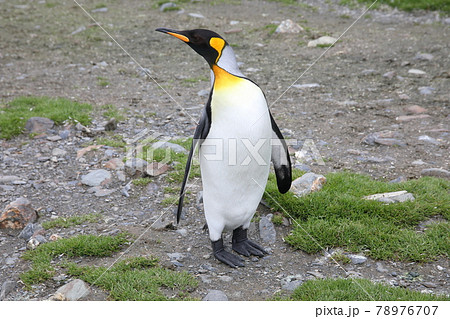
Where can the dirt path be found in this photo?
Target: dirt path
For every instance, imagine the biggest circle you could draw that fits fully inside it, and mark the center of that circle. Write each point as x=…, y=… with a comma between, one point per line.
x=363, y=85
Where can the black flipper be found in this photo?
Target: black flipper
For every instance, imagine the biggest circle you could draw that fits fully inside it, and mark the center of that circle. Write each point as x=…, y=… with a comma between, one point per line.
x=201, y=132
x=224, y=256
x=280, y=158
x=242, y=245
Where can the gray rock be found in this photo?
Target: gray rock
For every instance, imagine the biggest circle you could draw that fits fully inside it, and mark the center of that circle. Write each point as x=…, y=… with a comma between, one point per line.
x=10, y=261
x=7, y=287
x=326, y=40
x=424, y=57
x=204, y=92
x=175, y=147
x=391, y=197
x=58, y=152
x=306, y=86
x=426, y=90
x=196, y=15
x=167, y=6
x=307, y=183
x=428, y=139
x=104, y=9
x=96, y=177
x=380, y=268
x=225, y=278
x=36, y=241
x=100, y=192
x=357, y=259
x=80, y=29
x=30, y=230
x=267, y=229
x=289, y=26
x=183, y=232
x=374, y=159
x=429, y=284
x=176, y=256
x=136, y=167
x=368, y=72
x=215, y=295
x=290, y=283
x=416, y=72
x=72, y=291
x=399, y=179
x=38, y=124
x=9, y=179
x=436, y=172
x=54, y=138
x=388, y=138
x=389, y=75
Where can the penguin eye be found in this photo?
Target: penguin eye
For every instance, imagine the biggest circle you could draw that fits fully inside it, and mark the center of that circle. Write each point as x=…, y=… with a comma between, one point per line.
x=196, y=39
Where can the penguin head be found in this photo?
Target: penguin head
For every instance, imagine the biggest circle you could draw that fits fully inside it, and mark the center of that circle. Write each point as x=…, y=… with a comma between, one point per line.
x=208, y=44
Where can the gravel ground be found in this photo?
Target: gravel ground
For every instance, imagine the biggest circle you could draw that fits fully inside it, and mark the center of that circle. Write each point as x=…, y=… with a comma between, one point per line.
x=352, y=105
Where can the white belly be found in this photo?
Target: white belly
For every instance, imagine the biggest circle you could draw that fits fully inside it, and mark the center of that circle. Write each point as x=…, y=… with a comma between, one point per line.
x=235, y=158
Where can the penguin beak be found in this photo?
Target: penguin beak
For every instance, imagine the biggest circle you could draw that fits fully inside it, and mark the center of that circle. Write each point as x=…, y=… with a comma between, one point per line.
x=176, y=34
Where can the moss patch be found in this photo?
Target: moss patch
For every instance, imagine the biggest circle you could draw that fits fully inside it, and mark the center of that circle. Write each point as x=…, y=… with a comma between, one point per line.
x=16, y=113
x=356, y=290
x=338, y=216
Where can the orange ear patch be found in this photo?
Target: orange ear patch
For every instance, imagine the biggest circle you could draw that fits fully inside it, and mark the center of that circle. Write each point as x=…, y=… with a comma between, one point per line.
x=218, y=45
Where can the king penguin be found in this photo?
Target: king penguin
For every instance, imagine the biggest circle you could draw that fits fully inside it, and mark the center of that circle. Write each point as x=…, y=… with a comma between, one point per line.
x=237, y=139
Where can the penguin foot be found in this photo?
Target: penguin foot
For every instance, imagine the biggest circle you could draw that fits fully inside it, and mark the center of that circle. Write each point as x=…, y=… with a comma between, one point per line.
x=242, y=245
x=224, y=256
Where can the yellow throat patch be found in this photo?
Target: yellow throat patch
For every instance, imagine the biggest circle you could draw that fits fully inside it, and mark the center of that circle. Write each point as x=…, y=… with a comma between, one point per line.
x=223, y=79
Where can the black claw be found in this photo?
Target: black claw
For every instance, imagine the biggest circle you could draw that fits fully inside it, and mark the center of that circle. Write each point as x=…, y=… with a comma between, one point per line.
x=224, y=256
x=242, y=245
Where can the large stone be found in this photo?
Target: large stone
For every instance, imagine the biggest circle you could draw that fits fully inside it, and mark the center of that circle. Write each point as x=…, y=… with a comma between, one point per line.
x=322, y=41
x=357, y=259
x=72, y=291
x=391, y=197
x=7, y=287
x=290, y=283
x=435, y=172
x=388, y=138
x=39, y=124
x=267, y=230
x=96, y=178
x=175, y=147
x=31, y=230
x=215, y=295
x=307, y=183
x=18, y=214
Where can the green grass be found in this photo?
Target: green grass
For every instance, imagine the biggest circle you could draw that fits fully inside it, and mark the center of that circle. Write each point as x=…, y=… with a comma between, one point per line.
x=102, y=81
x=42, y=265
x=63, y=222
x=177, y=160
x=356, y=290
x=337, y=216
x=408, y=5
x=143, y=181
x=137, y=278
x=113, y=140
x=15, y=114
x=111, y=111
